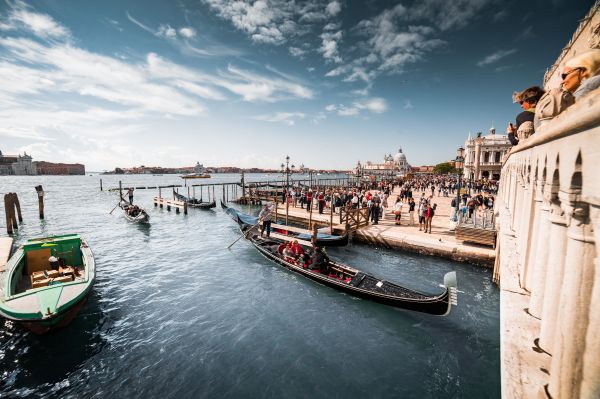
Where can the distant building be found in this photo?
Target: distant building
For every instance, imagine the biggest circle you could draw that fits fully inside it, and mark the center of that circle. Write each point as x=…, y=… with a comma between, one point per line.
x=392, y=166
x=50, y=168
x=483, y=155
x=22, y=165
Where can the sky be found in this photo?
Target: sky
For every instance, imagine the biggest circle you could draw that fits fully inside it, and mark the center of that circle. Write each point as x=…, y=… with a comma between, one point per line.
x=245, y=83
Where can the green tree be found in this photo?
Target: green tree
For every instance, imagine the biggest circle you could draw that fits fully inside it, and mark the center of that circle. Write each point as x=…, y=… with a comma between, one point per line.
x=443, y=168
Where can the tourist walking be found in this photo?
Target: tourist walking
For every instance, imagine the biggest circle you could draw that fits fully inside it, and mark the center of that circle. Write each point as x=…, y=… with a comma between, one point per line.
x=309, y=196
x=422, y=209
x=398, y=211
x=429, y=217
x=411, y=211
x=375, y=205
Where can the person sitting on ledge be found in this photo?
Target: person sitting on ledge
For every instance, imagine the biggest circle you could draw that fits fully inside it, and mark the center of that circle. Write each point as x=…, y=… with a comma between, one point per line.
x=581, y=75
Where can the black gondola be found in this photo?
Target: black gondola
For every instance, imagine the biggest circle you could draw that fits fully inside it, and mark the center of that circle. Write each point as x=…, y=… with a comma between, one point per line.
x=193, y=202
x=350, y=280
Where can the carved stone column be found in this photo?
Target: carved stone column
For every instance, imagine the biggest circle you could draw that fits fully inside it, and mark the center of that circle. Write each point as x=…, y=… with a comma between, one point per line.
x=531, y=255
x=590, y=386
x=566, y=372
x=554, y=272
x=540, y=257
x=526, y=231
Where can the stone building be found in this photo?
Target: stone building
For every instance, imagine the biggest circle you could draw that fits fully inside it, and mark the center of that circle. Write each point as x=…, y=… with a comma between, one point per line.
x=16, y=165
x=392, y=166
x=50, y=168
x=483, y=155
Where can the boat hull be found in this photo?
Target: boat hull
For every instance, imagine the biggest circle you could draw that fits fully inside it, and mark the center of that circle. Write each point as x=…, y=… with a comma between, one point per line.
x=56, y=322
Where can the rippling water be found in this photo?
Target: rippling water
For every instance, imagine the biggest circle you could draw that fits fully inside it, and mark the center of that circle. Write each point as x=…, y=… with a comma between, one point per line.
x=174, y=314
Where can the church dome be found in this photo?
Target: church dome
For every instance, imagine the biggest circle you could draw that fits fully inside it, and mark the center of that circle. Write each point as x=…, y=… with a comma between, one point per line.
x=400, y=158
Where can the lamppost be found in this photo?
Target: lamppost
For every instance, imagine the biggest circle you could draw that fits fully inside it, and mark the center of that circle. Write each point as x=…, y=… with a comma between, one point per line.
x=286, y=170
x=458, y=164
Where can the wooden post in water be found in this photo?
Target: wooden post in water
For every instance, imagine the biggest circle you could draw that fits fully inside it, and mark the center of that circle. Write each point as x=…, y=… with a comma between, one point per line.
x=120, y=191
x=276, y=206
x=188, y=192
x=18, y=206
x=213, y=194
x=201, y=189
x=40, y=193
x=100, y=184
x=287, y=209
x=331, y=215
x=8, y=207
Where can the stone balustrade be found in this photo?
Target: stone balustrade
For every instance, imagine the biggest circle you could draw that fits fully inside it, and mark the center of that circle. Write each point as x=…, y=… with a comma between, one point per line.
x=547, y=263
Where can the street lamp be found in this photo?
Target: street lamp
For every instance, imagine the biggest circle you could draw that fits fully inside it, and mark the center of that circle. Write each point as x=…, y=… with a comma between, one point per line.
x=458, y=164
x=286, y=170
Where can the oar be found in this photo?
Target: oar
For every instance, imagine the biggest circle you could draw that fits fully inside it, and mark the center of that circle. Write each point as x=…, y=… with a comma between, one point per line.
x=119, y=203
x=243, y=235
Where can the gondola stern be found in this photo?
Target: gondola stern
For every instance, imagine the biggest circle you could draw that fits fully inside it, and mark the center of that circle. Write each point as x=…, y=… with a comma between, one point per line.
x=451, y=285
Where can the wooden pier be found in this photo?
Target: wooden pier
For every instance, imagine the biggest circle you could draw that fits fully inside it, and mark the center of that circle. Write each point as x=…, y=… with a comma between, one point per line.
x=169, y=203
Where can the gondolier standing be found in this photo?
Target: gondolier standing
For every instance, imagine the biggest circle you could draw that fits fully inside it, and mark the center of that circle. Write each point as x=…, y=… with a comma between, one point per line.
x=265, y=215
x=130, y=195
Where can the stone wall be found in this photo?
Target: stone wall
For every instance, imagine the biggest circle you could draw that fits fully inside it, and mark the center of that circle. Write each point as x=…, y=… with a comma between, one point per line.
x=547, y=263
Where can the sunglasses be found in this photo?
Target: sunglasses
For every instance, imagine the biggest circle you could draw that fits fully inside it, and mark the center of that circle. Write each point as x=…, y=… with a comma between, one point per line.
x=564, y=75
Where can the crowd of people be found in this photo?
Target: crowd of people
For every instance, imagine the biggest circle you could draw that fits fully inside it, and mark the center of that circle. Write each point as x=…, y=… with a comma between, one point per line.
x=414, y=195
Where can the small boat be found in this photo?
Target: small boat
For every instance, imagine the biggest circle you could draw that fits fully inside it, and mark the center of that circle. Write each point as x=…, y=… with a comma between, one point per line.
x=193, y=202
x=349, y=280
x=41, y=295
x=134, y=213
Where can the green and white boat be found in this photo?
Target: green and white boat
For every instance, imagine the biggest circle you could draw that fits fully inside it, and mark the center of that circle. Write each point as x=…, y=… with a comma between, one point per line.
x=46, y=282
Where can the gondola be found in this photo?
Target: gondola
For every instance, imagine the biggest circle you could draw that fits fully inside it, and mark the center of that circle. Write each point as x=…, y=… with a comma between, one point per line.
x=193, y=202
x=138, y=215
x=41, y=295
x=350, y=280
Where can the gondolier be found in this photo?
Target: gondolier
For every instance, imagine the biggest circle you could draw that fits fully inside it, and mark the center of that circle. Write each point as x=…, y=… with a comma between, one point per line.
x=130, y=195
x=265, y=216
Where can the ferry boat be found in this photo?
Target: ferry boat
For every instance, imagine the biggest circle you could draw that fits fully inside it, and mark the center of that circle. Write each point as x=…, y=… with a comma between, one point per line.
x=199, y=173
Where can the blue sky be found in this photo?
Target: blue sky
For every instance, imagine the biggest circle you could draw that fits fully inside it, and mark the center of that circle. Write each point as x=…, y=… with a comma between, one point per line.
x=244, y=83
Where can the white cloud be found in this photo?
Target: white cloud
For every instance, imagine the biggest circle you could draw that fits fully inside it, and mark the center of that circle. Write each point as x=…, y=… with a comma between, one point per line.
x=187, y=32
x=274, y=21
x=297, y=52
x=334, y=8
x=42, y=25
x=408, y=104
x=288, y=118
x=496, y=56
x=329, y=46
x=374, y=105
x=167, y=31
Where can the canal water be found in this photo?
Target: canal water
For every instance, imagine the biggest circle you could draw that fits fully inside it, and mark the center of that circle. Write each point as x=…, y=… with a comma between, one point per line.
x=174, y=314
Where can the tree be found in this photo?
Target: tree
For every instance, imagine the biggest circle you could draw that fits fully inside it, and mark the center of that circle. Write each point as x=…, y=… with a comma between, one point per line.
x=444, y=168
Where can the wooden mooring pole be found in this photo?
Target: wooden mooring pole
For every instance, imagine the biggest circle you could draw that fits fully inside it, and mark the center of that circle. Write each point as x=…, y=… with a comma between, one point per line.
x=40, y=193
x=11, y=201
x=100, y=184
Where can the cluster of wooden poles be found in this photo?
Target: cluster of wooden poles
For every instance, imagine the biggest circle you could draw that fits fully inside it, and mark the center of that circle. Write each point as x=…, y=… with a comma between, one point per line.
x=12, y=208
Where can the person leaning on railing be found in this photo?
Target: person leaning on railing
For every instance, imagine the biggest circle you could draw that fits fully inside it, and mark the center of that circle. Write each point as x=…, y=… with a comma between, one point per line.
x=528, y=100
x=581, y=75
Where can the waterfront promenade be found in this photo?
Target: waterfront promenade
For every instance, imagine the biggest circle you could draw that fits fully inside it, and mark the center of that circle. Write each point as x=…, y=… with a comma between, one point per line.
x=441, y=241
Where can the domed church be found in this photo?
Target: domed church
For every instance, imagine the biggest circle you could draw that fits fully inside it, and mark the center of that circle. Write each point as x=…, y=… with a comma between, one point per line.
x=392, y=166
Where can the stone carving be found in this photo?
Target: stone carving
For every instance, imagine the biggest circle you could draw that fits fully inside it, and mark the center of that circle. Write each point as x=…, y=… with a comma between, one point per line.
x=594, y=39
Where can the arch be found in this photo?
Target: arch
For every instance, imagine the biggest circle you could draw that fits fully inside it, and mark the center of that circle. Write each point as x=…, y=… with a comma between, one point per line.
x=577, y=177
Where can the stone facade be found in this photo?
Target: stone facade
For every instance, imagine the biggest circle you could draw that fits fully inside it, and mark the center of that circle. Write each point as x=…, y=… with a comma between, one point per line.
x=484, y=154
x=392, y=166
x=548, y=265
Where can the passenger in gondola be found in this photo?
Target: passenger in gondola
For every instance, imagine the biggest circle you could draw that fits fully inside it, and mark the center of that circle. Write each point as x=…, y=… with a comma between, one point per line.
x=319, y=261
x=288, y=252
x=299, y=252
